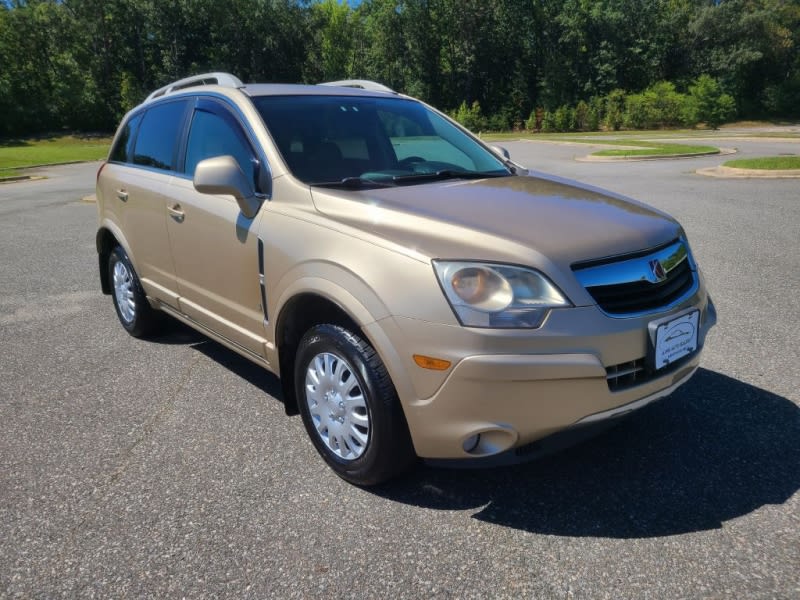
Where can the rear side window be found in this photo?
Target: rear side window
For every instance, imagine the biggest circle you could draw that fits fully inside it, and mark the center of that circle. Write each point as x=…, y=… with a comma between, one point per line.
x=158, y=135
x=123, y=149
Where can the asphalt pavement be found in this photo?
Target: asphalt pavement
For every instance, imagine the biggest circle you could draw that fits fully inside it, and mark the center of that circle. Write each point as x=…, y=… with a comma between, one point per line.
x=166, y=468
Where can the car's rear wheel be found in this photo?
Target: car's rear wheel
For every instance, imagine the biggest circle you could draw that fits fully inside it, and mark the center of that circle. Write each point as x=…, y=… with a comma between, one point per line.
x=134, y=311
x=349, y=406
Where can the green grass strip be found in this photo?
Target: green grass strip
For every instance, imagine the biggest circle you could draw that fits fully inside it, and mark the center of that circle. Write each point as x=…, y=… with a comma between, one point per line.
x=654, y=149
x=643, y=147
x=61, y=149
x=766, y=163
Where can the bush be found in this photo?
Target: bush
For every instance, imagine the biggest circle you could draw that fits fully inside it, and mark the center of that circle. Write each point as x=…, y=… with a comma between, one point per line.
x=712, y=104
x=470, y=117
x=564, y=118
x=530, y=122
x=592, y=120
x=666, y=104
x=549, y=122
x=614, y=109
x=501, y=121
x=638, y=112
x=582, y=116
x=660, y=105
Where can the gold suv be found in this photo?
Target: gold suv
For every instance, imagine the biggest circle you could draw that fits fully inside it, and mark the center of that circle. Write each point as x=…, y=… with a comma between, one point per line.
x=417, y=292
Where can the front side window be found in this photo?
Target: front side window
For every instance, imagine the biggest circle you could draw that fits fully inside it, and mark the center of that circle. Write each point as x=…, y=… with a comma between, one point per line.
x=157, y=140
x=350, y=140
x=211, y=135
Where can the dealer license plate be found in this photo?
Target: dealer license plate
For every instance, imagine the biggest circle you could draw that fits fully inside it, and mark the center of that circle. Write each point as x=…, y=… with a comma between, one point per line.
x=674, y=338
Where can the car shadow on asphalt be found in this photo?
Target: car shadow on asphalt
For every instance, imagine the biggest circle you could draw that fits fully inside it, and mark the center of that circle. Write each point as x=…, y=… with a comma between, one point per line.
x=175, y=332
x=715, y=450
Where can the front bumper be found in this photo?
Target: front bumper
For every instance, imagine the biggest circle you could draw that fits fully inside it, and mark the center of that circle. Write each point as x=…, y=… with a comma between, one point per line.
x=508, y=389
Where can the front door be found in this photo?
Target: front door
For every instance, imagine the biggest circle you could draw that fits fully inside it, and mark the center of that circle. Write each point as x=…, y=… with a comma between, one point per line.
x=214, y=247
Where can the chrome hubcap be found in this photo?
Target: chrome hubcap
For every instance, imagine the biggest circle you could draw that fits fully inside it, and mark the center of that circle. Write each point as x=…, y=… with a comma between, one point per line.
x=123, y=292
x=337, y=405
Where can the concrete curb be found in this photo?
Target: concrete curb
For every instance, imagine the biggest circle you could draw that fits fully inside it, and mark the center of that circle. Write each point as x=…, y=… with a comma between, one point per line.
x=734, y=173
x=609, y=159
x=19, y=178
x=13, y=178
x=57, y=164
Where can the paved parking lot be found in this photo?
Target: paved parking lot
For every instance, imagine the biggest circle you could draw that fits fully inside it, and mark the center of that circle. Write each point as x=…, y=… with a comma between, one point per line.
x=167, y=469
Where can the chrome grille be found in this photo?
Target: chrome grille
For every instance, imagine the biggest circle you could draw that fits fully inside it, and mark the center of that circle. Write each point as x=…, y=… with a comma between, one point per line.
x=640, y=283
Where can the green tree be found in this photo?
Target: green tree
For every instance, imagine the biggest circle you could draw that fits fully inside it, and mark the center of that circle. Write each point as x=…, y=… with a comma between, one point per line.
x=332, y=55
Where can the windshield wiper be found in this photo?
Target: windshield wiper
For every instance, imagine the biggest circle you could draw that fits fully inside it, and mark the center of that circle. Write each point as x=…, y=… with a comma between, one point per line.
x=354, y=183
x=447, y=174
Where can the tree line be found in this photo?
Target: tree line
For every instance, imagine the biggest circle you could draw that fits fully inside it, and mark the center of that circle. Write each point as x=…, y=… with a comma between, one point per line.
x=550, y=65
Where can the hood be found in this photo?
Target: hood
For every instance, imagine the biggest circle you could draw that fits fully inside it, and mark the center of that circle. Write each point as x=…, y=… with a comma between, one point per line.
x=540, y=221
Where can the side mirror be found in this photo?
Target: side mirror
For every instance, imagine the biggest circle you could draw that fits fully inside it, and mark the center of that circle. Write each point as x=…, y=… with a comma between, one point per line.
x=501, y=152
x=222, y=175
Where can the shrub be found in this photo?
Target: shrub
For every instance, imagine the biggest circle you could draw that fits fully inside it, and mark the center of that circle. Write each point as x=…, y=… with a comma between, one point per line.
x=614, y=109
x=660, y=105
x=712, y=104
x=582, y=116
x=530, y=122
x=470, y=117
x=549, y=122
x=638, y=112
x=666, y=104
x=501, y=121
x=564, y=118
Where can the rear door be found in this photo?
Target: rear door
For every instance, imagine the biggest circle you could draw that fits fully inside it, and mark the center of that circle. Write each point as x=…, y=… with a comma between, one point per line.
x=135, y=185
x=214, y=246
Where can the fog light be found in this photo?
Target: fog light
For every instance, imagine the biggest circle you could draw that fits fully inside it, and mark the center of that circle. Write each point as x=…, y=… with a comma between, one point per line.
x=471, y=442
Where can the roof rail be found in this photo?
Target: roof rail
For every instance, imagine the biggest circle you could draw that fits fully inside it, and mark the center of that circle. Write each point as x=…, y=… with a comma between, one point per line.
x=364, y=84
x=223, y=79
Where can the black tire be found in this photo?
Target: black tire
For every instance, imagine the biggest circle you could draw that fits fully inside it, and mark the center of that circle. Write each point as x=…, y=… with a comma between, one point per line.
x=386, y=449
x=138, y=317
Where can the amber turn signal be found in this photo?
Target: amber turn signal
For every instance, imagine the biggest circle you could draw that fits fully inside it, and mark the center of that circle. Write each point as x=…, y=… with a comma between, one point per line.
x=435, y=364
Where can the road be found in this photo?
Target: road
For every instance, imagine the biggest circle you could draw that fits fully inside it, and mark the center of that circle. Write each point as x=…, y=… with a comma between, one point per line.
x=167, y=469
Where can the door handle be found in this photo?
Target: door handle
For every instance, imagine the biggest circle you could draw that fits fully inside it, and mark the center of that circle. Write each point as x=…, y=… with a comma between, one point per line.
x=122, y=195
x=176, y=213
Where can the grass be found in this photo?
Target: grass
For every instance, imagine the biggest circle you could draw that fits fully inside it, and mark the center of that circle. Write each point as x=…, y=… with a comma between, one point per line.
x=665, y=134
x=766, y=163
x=633, y=147
x=654, y=149
x=15, y=154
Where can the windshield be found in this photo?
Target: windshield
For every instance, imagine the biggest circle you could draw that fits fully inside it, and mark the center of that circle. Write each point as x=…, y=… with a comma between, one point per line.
x=361, y=141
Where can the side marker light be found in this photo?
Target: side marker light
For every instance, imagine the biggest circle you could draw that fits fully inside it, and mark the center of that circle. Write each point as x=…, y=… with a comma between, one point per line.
x=434, y=364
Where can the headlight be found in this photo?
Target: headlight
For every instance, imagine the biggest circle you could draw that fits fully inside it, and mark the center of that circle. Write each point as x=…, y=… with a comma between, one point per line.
x=497, y=296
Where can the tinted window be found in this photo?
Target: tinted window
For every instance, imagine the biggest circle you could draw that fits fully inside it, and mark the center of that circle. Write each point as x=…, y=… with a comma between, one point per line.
x=212, y=136
x=325, y=139
x=158, y=135
x=123, y=149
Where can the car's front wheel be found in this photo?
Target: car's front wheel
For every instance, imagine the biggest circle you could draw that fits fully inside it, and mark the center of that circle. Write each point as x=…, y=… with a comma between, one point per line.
x=350, y=407
x=134, y=311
